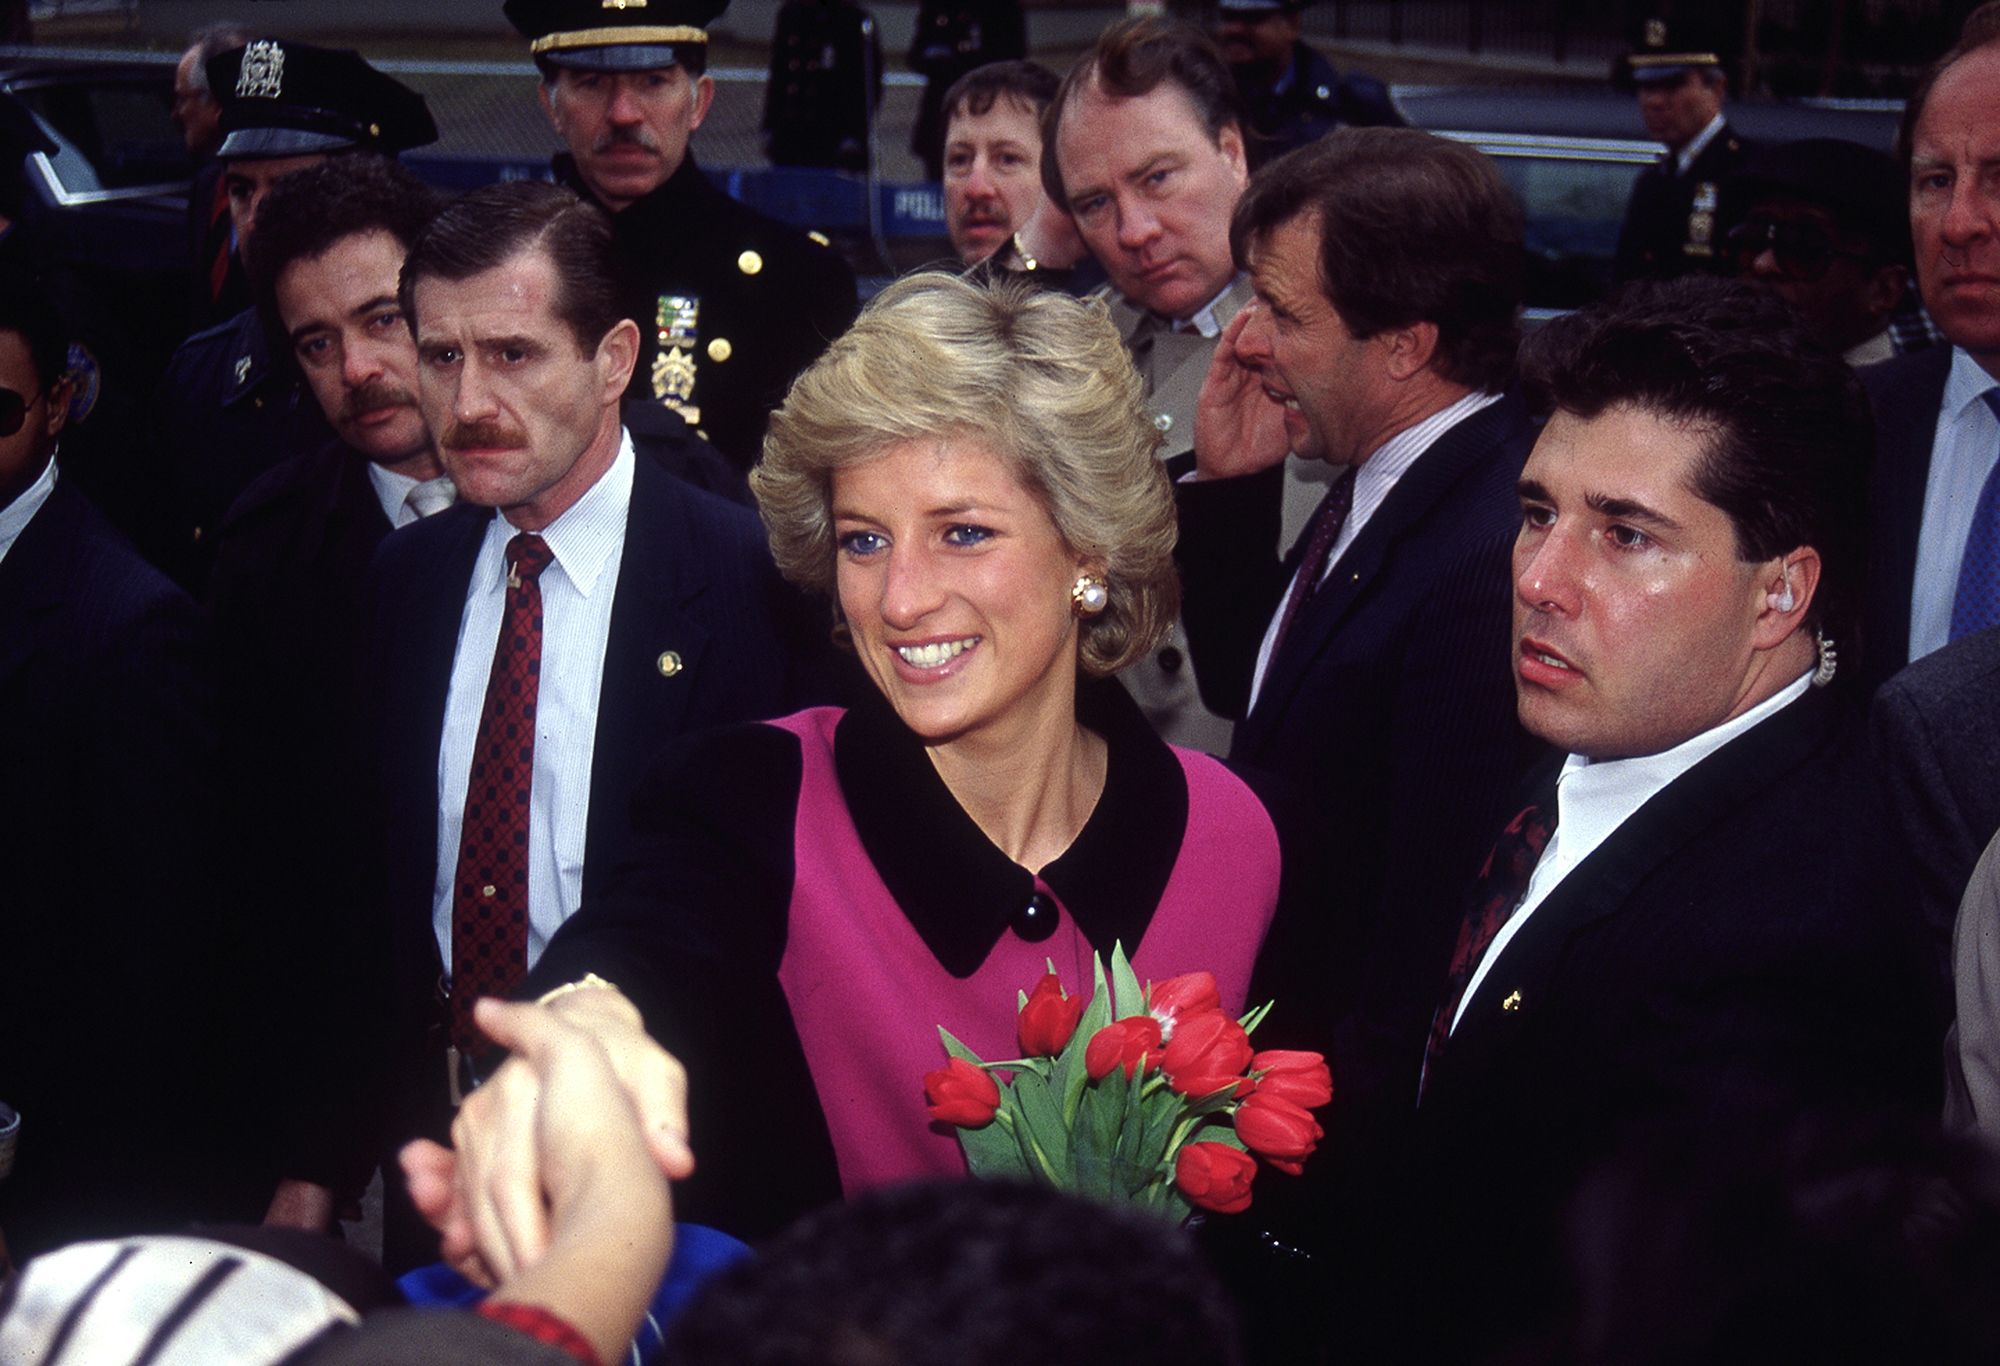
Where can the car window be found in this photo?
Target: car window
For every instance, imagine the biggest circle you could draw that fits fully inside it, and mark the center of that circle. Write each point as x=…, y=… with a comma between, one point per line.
x=114, y=135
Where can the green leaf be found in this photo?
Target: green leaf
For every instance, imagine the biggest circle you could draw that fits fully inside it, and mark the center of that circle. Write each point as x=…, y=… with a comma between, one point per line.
x=991, y=1151
x=1217, y=1133
x=957, y=1049
x=1256, y=1017
x=1128, y=999
x=1042, y=1122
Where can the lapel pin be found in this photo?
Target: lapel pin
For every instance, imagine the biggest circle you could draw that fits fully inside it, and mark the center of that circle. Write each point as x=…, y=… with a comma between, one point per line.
x=669, y=663
x=1512, y=1003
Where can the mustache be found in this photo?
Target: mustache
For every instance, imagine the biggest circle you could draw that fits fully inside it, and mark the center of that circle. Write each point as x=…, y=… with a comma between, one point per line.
x=636, y=135
x=483, y=436
x=373, y=396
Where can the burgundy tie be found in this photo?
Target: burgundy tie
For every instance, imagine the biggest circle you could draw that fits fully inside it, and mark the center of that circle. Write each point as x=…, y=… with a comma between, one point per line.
x=1327, y=521
x=489, y=900
x=1502, y=883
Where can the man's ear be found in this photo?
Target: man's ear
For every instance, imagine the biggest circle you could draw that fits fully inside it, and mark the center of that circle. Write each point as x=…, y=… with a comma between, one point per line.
x=546, y=92
x=617, y=353
x=704, y=97
x=1409, y=349
x=59, y=397
x=1788, y=588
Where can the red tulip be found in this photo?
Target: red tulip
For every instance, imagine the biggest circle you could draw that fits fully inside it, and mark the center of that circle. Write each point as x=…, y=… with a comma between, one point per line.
x=1278, y=1130
x=1215, y=1176
x=1048, y=1019
x=1208, y=1052
x=1123, y=1043
x=1179, y=997
x=1289, y=1074
x=961, y=1094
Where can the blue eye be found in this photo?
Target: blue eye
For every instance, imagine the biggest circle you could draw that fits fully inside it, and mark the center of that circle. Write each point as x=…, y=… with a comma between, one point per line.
x=967, y=535
x=860, y=543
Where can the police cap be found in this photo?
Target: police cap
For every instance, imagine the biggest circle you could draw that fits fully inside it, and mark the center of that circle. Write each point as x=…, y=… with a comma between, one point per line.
x=615, y=35
x=284, y=99
x=1667, y=49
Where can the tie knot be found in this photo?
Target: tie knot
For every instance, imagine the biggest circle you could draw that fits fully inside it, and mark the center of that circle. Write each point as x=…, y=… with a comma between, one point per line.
x=527, y=556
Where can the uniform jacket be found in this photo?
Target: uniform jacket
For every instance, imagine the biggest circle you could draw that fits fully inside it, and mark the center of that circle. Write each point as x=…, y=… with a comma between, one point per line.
x=758, y=302
x=1672, y=224
x=113, y=984
x=1392, y=701
x=1905, y=394
x=1742, y=951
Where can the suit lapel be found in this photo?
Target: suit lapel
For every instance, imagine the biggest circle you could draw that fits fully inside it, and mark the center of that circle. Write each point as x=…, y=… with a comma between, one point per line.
x=653, y=657
x=1453, y=455
x=1906, y=417
x=34, y=575
x=1712, y=793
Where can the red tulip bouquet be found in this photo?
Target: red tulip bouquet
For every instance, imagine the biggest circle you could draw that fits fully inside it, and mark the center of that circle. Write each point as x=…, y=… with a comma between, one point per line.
x=1147, y=1096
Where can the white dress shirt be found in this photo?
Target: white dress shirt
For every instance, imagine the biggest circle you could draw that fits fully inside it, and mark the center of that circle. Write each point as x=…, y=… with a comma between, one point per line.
x=588, y=543
x=14, y=518
x=1374, y=479
x=403, y=497
x=1963, y=452
x=1594, y=799
x=1685, y=157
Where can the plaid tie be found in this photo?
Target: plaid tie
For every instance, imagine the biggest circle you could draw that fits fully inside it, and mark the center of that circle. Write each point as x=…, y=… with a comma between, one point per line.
x=489, y=901
x=1495, y=897
x=1327, y=520
x=1976, y=604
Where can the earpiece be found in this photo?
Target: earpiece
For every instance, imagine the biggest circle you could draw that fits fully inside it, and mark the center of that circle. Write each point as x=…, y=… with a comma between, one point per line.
x=1783, y=601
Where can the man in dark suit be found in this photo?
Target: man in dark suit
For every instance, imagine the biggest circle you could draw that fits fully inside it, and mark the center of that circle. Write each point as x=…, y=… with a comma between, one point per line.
x=1935, y=504
x=1700, y=925
x=516, y=709
x=110, y=990
x=1370, y=663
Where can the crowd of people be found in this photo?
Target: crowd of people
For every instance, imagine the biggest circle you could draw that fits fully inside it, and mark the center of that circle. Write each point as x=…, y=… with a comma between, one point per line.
x=567, y=593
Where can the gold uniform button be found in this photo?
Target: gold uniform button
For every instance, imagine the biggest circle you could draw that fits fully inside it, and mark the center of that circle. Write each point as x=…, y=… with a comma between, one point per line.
x=669, y=664
x=489, y=890
x=749, y=263
x=720, y=349
x=821, y=238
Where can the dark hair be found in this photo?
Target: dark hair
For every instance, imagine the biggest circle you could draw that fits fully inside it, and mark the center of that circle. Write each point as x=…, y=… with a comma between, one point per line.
x=489, y=227
x=1028, y=84
x=1789, y=430
x=310, y=210
x=978, y=1273
x=28, y=311
x=1981, y=30
x=1133, y=58
x=208, y=41
x=1413, y=228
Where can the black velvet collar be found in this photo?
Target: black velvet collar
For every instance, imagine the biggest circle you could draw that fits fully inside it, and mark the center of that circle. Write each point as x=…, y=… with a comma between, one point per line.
x=958, y=889
x=657, y=211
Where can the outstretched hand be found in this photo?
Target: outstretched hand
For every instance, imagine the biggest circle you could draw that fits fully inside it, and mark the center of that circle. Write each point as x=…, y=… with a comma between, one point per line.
x=1238, y=428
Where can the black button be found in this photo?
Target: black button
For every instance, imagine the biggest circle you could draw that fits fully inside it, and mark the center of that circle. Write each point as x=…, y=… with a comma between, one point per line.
x=1036, y=920
x=1170, y=659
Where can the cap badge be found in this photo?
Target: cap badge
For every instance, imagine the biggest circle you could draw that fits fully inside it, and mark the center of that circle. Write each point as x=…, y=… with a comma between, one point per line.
x=1656, y=33
x=262, y=75
x=624, y=4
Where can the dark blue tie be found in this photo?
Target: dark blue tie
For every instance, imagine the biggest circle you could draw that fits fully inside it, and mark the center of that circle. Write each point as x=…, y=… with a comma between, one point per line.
x=1976, y=605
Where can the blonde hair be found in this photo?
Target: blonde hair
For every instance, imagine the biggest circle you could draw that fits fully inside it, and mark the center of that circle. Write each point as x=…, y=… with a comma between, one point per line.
x=1042, y=380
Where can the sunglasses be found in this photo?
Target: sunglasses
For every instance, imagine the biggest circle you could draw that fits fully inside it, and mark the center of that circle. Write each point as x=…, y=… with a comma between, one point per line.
x=1803, y=252
x=14, y=409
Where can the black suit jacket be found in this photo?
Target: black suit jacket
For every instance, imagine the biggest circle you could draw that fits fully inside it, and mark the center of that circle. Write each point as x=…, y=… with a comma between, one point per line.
x=695, y=579
x=1937, y=738
x=1905, y=394
x=1741, y=951
x=1391, y=702
x=114, y=1045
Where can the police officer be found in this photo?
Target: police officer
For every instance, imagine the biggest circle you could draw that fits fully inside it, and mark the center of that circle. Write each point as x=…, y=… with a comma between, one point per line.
x=731, y=305
x=1291, y=94
x=1670, y=225
x=230, y=405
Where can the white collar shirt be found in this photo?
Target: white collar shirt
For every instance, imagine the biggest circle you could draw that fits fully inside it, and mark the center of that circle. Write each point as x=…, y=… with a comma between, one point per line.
x=1685, y=157
x=1964, y=449
x=588, y=544
x=394, y=492
x=1594, y=798
x=14, y=518
x=1374, y=479
x=1203, y=321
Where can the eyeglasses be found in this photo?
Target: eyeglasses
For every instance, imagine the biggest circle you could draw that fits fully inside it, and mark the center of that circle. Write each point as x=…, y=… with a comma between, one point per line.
x=14, y=409
x=1802, y=250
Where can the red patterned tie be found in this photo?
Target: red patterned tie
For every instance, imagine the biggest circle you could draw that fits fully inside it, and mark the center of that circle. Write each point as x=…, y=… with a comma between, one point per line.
x=1502, y=883
x=1327, y=521
x=489, y=900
